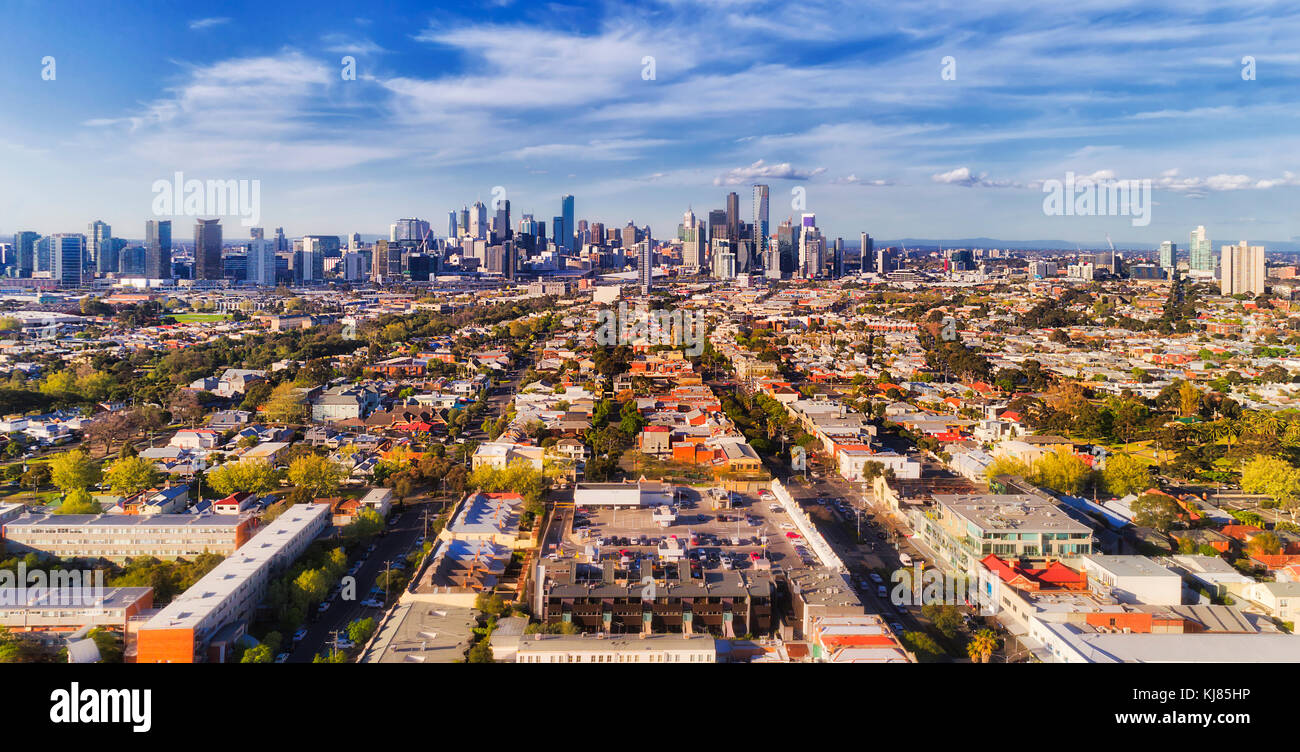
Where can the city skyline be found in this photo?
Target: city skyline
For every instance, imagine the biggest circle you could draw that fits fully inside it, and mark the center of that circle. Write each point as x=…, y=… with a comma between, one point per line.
x=849, y=104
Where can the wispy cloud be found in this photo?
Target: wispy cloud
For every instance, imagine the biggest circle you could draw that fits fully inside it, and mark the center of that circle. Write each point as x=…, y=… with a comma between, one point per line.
x=207, y=23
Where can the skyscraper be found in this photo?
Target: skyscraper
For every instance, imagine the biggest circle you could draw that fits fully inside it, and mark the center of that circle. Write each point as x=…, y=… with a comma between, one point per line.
x=67, y=253
x=501, y=227
x=645, y=266
x=557, y=233
x=761, y=227
x=256, y=233
x=25, y=249
x=478, y=223
x=158, y=249
x=812, y=248
x=281, y=242
x=98, y=235
x=1242, y=269
x=451, y=224
x=787, y=247
x=309, y=266
x=884, y=261
x=631, y=236
x=414, y=230
x=733, y=217
x=694, y=244
x=566, y=212
x=866, y=248
x=107, y=257
x=1168, y=254
x=261, y=262
x=207, y=249
x=1199, y=255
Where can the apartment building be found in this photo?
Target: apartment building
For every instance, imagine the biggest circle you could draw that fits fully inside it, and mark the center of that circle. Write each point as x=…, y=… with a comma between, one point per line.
x=964, y=528
x=728, y=604
x=118, y=537
x=185, y=630
x=53, y=612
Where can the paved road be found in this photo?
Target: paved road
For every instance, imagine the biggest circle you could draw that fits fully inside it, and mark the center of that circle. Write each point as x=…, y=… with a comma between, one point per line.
x=394, y=544
x=841, y=534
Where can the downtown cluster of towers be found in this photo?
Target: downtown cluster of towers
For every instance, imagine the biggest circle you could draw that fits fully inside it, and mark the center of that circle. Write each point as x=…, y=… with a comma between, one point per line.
x=479, y=239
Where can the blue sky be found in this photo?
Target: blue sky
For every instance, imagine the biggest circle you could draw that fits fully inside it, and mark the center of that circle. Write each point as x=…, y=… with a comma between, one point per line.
x=846, y=101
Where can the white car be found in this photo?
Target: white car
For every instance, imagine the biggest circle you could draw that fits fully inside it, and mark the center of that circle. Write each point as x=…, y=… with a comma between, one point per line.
x=346, y=644
x=372, y=603
x=787, y=526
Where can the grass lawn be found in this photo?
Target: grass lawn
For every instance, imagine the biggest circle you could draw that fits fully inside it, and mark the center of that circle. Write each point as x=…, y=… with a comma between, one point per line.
x=34, y=499
x=200, y=317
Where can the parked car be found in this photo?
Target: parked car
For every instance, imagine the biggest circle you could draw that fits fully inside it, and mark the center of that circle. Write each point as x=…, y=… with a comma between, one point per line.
x=299, y=635
x=282, y=658
x=372, y=603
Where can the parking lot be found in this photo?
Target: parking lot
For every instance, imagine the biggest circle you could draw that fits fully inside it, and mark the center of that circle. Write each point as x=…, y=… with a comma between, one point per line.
x=750, y=534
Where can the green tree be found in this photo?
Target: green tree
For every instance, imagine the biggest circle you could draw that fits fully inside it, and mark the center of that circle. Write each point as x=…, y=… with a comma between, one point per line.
x=109, y=644
x=360, y=630
x=1156, y=511
x=923, y=645
x=15, y=648
x=1008, y=465
x=365, y=525
x=1126, y=474
x=258, y=654
x=1062, y=470
x=1264, y=544
x=1275, y=478
x=250, y=475
x=131, y=475
x=481, y=652
x=946, y=618
x=79, y=501
x=73, y=470
x=316, y=474
x=285, y=404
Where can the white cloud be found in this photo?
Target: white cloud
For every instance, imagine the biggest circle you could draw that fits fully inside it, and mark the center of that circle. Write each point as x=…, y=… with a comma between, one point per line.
x=762, y=170
x=964, y=177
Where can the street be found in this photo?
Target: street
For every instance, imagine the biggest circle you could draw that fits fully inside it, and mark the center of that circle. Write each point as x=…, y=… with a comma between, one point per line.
x=395, y=543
